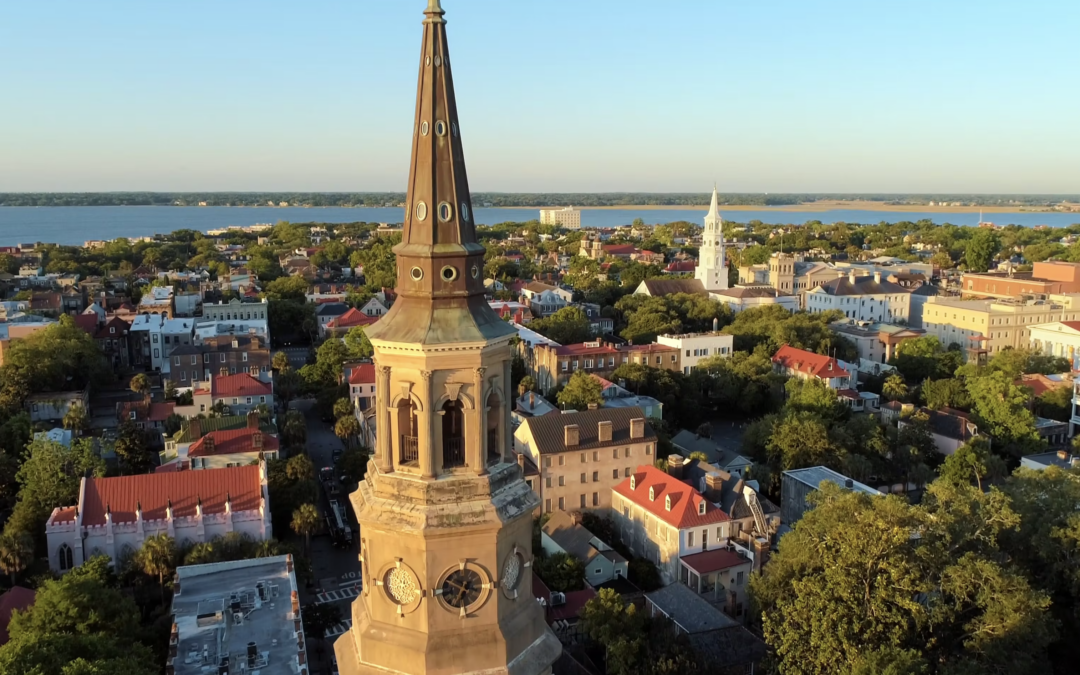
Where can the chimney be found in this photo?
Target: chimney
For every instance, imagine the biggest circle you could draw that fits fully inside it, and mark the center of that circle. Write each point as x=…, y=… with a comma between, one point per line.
x=637, y=427
x=575, y=517
x=851, y=276
x=521, y=463
x=1063, y=455
x=257, y=441
x=714, y=486
x=571, y=435
x=877, y=277
x=208, y=444
x=253, y=420
x=604, y=431
x=675, y=465
x=532, y=400
x=593, y=406
x=195, y=427
x=761, y=550
x=848, y=483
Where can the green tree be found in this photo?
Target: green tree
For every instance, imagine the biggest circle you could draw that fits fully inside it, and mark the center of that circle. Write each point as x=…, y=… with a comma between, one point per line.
x=49, y=476
x=580, y=391
x=280, y=362
x=16, y=553
x=319, y=618
x=76, y=419
x=947, y=393
x=357, y=344
x=800, y=440
x=287, y=288
x=300, y=468
x=347, y=429
x=972, y=463
x=157, y=558
x=894, y=389
x=294, y=429
x=130, y=448
x=78, y=604
x=527, y=384
x=352, y=465
x=981, y=249
x=140, y=384
x=64, y=654
x=617, y=626
x=561, y=572
x=1001, y=408
x=942, y=260
x=342, y=407
x=305, y=521
x=567, y=326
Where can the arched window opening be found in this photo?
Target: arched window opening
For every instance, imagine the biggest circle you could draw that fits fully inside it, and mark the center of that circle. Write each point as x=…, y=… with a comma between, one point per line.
x=66, y=558
x=408, y=449
x=494, y=421
x=453, y=435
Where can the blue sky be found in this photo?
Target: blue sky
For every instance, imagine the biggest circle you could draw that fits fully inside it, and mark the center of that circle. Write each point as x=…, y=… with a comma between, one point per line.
x=554, y=95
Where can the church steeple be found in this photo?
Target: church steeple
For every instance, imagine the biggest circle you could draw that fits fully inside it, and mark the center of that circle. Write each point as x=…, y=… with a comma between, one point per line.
x=712, y=264
x=714, y=207
x=440, y=263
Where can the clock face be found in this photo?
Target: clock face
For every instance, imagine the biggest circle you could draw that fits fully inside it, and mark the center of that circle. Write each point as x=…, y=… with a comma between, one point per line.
x=462, y=588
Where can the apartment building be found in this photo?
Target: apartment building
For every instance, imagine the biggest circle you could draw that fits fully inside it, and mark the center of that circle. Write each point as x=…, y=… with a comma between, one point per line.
x=570, y=218
x=189, y=364
x=1045, y=278
x=696, y=347
x=582, y=455
x=876, y=342
x=996, y=324
x=236, y=310
x=862, y=298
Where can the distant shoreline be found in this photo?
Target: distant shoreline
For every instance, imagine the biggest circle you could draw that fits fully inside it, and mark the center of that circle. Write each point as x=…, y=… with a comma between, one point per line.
x=823, y=206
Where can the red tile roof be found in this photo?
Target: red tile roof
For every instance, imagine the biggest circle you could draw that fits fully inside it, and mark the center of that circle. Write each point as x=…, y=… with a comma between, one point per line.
x=685, y=500
x=681, y=266
x=716, y=559
x=65, y=515
x=116, y=322
x=231, y=442
x=16, y=598
x=183, y=488
x=159, y=412
x=240, y=384
x=363, y=374
x=351, y=318
x=802, y=361
x=620, y=249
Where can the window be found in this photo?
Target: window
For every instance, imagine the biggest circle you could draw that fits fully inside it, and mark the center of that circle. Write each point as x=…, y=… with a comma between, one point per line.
x=157, y=353
x=547, y=506
x=561, y=460
x=648, y=449
x=588, y=363
x=155, y=338
x=547, y=482
x=701, y=508
x=689, y=538
x=234, y=401
x=582, y=501
x=611, y=361
x=206, y=358
x=547, y=463
x=112, y=330
x=739, y=579
x=583, y=460
x=221, y=358
x=704, y=539
x=596, y=455
x=659, y=360
x=688, y=352
x=596, y=499
x=627, y=474
x=562, y=481
x=65, y=557
x=614, y=453
x=719, y=533
x=194, y=359
x=562, y=505
x=249, y=400
x=614, y=473
x=583, y=478
x=595, y=476
x=245, y=355
x=565, y=366
x=626, y=452
x=183, y=376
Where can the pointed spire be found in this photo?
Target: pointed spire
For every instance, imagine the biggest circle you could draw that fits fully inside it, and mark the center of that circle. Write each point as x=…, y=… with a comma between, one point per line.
x=714, y=207
x=440, y=263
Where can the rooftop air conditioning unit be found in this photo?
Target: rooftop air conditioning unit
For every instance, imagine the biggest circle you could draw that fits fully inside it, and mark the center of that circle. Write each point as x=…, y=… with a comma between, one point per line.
x=558, y=599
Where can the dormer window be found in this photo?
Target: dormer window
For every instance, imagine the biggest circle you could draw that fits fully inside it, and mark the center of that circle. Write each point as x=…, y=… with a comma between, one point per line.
x=701, y=508
x=652, y=494
x=131, y=415
x=667, y=502
x=633, y=482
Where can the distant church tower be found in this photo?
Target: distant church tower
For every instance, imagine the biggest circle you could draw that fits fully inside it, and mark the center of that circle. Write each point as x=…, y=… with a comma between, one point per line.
x=445, y=516
x=712, y=266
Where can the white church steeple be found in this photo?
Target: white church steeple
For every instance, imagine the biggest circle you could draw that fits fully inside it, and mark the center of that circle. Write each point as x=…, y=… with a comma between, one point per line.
x=712, y=265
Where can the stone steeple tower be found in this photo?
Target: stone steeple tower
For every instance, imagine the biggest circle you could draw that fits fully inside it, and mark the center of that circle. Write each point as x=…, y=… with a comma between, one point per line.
x=445, y=515
x=712, y=264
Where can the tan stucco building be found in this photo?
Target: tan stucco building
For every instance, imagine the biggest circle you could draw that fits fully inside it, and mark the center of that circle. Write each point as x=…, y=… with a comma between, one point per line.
x=994, y=324
x=445, y=516
x=582, y=455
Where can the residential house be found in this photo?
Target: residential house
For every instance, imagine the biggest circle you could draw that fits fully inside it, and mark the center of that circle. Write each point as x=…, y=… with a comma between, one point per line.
x=327, y=312
x=373, y=308
x=219, y=356
x=240, y=393
x=655, y=354
x=552, y=364
x=875, y=342
x=797, y=484
x=52, y=406
x=696, y=347
x=114, y=516
x=600, y=325
x=564, y=533
x=154, y=336
x=726, y=459
x=1044, y=460
x=1057, y=338
x=582, y=455
x=619, y=397
x=803, y=364
x=754, y=519
x=176, y=454
x=147, y=415
x=741, y=297
x=361, y=380
x=661, y=518
x=544, y=299
x=235, y=310
x=47, y=303
x=232, y=447
x=949, y=428
x=530, y=404
x=562, y=610
x=862, y=298
x=340, y=326
x=112, y=339
x=157, y=300
x=657, y=287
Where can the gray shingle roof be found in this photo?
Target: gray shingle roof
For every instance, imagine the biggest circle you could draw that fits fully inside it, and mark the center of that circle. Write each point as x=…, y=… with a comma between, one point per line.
x=549, y=432
x=690, y=611
x=862, y=286
x=658, y=287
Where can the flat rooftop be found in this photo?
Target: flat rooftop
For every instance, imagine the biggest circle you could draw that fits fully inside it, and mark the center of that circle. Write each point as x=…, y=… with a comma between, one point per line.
x=238, y=615
x=814, y=476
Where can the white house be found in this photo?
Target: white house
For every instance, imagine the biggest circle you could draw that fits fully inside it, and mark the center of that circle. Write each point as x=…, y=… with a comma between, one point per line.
x=235, y=310
x=53, y=405
x=696, y=347
x=114, y=516
x=739, y=298
x=564, y=533
x=862, y=298
x=373, y=308
x=545, y=299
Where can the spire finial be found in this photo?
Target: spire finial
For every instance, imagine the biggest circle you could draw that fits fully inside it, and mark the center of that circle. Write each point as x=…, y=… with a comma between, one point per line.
x=434, y=12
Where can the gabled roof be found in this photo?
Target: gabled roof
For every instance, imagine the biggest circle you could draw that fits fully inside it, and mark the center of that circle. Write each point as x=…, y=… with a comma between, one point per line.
x=353, y=317
x=332, y=309
x=549, y=431
x=116, y=322
x=658, y=287
x=685, y=501
x=802, y=361
x=573, y=537
x=232, y=442
x=87, y=322
x=154, y=491
x=241, y=384
x=745, y=292
x=620, y=249
x=864, y=285
x=363, y=373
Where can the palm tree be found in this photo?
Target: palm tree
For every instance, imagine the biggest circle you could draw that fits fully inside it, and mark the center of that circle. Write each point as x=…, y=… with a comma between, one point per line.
x=347, y=428
x=305, y=520
x=157, y=557
x=76, y=419
x=342, y=407
x=16, y=553
x=894, y=388
x=140, y=384
x=280, y=362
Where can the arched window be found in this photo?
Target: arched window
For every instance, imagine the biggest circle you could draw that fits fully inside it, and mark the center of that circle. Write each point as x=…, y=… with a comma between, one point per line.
x=65, y=557
x=408, y=450
x=453, y=435
x=494, y=421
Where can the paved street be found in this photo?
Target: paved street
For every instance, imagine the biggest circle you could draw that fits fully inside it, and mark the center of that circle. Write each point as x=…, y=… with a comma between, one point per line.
x=297, y=356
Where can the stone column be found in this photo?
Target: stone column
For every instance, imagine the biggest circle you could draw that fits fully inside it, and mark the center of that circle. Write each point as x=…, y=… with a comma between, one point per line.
x=430, y=456
x=504, y=427
x=384, y=432
x=476, y=453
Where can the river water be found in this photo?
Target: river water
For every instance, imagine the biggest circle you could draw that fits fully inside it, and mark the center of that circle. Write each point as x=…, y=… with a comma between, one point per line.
x=76, y=224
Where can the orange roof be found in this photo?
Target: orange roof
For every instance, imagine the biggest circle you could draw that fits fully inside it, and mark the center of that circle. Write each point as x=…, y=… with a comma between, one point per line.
x=230, y=442
x=159, y=412
x=351, y=318
x=183, y=488
x=685, y=501
x=716, y=559
x=65, y=515
x=363, y=374
x=240, y=384
x=16, y=598
x=802, y=361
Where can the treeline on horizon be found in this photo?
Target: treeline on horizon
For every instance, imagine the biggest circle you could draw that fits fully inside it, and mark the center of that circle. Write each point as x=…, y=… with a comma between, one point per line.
x=506, y=199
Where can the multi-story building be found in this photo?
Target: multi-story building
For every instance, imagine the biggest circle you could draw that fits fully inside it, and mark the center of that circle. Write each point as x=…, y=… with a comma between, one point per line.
x=252, y=610
x=1051, y=277
x=743, y=297
x=654, y=354
x=795, y=362
x=545, y=299
x=240, y=393
x=661, y=518
x=189, y=364
x=862, y=298
x=876, y=342
x=1057, y=338
x=235, y=310
x=158, y=300
x=995, y=324
x=115, y=516
x=788, y=274
x=553, y=364
x=570, y=218
x=361, y=380
x=582, y=455
x=154, y=337
x=53, y=405
x=695, y=347
x=797, y=484
x=712, y=270
x=175, y=456
x=112, y=338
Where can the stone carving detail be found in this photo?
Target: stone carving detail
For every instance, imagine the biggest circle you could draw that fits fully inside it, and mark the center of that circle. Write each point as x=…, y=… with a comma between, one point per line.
x=512, y=572
x=400, y=586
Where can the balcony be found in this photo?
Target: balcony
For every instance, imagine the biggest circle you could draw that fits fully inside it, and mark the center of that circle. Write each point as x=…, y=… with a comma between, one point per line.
x=494, y=452
x=408, y=450
x=453, y=452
